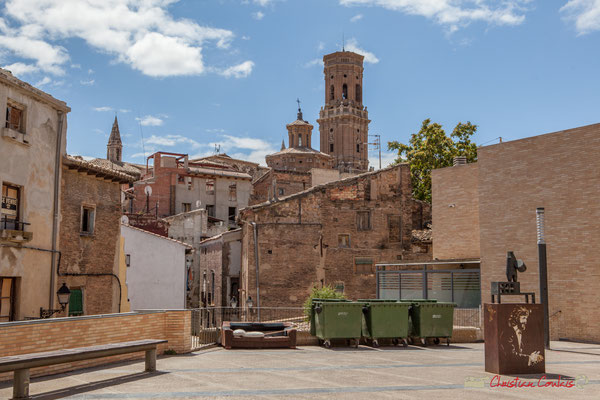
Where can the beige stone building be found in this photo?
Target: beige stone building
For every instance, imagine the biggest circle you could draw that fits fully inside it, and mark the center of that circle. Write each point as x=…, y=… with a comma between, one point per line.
x=331, y=234
x=485, y=209
x=344, y=120
x=32, y=145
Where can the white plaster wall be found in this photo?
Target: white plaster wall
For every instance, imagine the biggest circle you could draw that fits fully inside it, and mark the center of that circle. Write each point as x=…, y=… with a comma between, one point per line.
x=156, y=275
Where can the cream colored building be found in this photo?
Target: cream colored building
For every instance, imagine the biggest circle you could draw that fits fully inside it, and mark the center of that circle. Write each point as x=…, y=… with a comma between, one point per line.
x=32, y=143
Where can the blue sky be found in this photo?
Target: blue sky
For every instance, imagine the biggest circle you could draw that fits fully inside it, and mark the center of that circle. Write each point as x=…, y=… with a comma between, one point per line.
x=191, y=73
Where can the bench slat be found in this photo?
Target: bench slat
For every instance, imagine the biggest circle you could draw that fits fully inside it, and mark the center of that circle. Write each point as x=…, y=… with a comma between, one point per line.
x=32, y=360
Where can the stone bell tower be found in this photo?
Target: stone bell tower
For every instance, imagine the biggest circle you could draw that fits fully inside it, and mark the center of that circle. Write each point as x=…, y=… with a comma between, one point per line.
x=114, y=148
x=344, y=121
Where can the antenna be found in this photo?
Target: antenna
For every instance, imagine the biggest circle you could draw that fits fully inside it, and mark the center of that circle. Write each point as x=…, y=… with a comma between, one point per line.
x=217, y=148
x=343, y=42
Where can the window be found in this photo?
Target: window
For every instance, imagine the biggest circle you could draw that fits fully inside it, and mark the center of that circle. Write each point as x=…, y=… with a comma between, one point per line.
x=212, y=286
x=394, y=225
x=339, y=287
x=281, y=191
x=210, y=210
x=76, y=303
x=14, y=117
x=185, y=207
x=363, y=220
x=210, y=186
x=344, y=240
x=358, y=94
x=299, y=140
x=233, y=192
x=10, y=207
x=331, y=92
x=128, y=260
x=87, y=220
x=180, y=179
x=345, y=91
x=358, y=147
x=363, y=265
x=331, y=147
x=7, y=299
x=232, y=214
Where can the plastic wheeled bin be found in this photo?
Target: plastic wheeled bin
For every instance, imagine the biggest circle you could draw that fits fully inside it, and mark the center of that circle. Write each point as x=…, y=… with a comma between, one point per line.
x=432, y=320
x=385, y=319
x=313, y=331
x=337, y=320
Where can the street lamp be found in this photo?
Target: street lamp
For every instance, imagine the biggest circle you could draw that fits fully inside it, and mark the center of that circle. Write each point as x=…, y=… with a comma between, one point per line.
x=64, y=294
x=233, y=302
x=249, y=302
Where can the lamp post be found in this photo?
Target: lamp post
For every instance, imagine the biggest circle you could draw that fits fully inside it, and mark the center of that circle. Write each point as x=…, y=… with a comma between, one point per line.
x=543, y=268
x=64, y=294
x=249, y=304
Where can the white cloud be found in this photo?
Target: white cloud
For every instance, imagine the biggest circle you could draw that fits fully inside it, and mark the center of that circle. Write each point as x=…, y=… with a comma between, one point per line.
x=314, y=62
x=89, y=82
x=245, y=37
x=139, y=33
x=45, y=80
x=455, y=13
x=352, y=45
x=264, y=3
x=585, y=14
x=356, y=18
x=172, y=140
x=124, y=110
x=387, y=159
x=258, y=15
x=102, y=109
x=20, y=69
x=238, y=71
x=150, y=120
x=76, y=66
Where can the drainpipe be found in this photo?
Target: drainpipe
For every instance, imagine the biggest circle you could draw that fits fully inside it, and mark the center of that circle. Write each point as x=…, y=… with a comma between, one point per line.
x=255, y=228
x=56, y=213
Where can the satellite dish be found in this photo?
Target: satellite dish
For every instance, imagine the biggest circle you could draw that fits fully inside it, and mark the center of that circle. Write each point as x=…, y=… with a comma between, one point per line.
x=198, y=203
x=148, y=190
x=125, y=220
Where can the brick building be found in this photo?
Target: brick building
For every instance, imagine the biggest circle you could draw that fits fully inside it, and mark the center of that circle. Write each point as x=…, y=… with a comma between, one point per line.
x=485, y=209
x=90, y=236
x=344, y=120
x=220, y=260
x=253, y=169
x=334, y=234
x=192, y=228
x=178, y=185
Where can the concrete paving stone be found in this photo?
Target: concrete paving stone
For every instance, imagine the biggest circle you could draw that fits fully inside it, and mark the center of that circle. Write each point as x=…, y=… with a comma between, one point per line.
x=436, y=372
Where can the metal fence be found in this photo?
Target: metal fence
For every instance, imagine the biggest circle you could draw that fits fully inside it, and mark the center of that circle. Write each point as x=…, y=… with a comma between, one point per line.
x=467, y=317
x=207, y=321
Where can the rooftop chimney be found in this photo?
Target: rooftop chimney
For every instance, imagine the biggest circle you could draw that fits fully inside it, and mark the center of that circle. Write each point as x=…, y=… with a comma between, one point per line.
x=460, y=160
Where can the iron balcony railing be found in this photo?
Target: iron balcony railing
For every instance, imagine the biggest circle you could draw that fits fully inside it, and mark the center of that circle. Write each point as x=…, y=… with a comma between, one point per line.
x=13, y=224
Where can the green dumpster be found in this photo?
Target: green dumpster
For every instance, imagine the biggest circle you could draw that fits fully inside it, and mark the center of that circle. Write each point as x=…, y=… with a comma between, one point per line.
x=313, y=331
x=432, y=320
x=337, y=320
x=385, y=319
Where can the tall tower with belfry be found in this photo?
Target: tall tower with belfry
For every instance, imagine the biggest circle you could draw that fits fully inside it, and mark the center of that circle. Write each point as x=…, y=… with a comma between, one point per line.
x=344, y=121
x=114, y=148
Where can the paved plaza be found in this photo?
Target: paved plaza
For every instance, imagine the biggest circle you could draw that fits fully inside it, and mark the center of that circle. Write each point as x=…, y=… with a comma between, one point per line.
x=435, y=372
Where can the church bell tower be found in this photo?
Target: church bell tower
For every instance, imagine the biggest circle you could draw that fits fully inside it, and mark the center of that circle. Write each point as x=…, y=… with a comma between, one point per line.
x=344, y=121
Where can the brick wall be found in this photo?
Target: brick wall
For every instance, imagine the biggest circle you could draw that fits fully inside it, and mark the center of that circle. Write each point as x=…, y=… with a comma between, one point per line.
x=64, y=333
x=298, y=237
x=455, y=212
x=90, y=254
x=290, y=181
x=558, y=171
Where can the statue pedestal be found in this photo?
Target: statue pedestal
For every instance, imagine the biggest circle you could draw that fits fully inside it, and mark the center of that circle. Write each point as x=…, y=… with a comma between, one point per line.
x=514, y=338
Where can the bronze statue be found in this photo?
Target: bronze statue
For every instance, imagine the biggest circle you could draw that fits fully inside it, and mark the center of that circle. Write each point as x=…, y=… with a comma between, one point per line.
x=512, y=266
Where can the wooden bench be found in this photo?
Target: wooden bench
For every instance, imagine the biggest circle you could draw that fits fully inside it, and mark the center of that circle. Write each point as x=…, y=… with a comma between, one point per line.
x=23, y=362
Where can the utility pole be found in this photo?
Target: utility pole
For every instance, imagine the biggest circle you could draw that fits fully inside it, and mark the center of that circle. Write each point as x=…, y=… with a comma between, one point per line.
x=377, y=144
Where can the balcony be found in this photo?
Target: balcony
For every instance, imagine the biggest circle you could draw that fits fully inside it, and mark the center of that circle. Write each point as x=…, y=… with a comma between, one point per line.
x=14, y=231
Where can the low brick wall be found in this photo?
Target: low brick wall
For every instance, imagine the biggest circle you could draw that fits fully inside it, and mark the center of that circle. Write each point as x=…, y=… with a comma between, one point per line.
x=63, y=333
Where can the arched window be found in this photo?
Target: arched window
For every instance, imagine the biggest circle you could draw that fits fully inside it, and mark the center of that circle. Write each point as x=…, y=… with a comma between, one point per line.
x=358, y=94
x=345, y=91
x=299, y=140
x=331, y=92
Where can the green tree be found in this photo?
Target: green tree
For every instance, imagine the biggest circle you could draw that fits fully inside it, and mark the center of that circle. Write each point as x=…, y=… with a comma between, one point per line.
x=432, y=148
x=325, y=292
